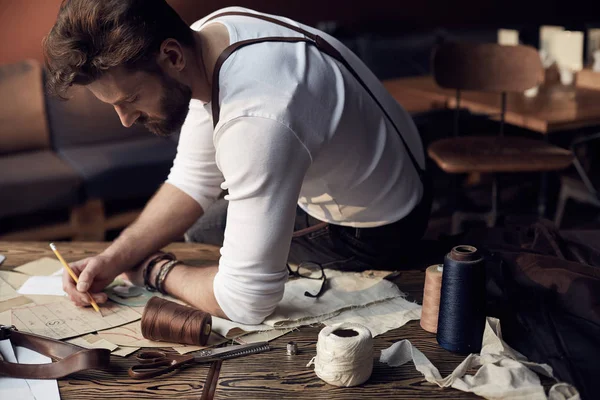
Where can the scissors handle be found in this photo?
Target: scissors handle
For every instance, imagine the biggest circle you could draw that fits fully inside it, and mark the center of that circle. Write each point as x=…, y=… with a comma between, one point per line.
x=150, y=356
x=154, y=363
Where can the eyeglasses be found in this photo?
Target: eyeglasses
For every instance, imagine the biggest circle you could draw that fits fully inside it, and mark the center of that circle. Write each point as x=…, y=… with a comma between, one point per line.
x=310, y=270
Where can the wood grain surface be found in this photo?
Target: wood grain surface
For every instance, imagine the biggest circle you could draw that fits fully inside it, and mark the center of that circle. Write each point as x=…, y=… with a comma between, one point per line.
x=556, y=107
x=270, y=375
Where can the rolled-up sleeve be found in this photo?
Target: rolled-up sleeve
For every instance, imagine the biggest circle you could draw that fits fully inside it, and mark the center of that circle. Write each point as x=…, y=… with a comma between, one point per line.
x=195, y=170
x=263, y=163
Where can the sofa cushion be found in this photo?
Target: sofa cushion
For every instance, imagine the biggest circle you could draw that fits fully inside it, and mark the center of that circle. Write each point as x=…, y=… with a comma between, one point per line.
x=123, y=170
x=22, y=117
x=35, y=181
x=83, y=120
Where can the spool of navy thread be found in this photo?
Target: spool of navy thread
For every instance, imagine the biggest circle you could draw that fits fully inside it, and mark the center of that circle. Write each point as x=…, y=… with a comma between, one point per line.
x=461, y=318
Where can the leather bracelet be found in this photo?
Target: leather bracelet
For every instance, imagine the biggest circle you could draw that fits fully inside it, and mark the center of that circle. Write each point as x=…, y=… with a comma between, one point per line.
x=151, y=264
x=162, y=275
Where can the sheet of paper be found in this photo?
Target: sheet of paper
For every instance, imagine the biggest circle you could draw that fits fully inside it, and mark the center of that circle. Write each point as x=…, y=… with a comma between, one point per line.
x=124, y=351
x=130, y=335
x=63, y=320
x=380, y=317
x=14, y=279
x=91, y=341
x=7, y=292
x=42, y=389
x=5, y=318
x=267, y=336
x=14, y=303
x=43, y=285
x=13, y=388
x=213, y=340
x=43, y=266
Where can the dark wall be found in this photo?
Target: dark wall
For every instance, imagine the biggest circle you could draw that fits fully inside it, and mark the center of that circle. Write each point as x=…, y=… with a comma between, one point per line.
x=23, y=23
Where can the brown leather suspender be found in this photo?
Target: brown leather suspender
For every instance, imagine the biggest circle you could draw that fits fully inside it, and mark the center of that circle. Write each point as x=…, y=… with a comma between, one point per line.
x=69, y=357
x=309, y=38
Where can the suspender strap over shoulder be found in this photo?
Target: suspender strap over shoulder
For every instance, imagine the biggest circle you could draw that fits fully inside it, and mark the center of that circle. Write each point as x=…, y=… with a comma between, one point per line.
x=309, y=38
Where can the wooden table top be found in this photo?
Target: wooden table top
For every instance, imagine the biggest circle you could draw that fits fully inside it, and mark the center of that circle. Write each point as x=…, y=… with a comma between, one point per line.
x=555, y=108
x=271, y=375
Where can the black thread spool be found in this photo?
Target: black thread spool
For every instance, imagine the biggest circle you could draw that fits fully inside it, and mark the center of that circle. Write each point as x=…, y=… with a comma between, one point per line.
x=462, y=302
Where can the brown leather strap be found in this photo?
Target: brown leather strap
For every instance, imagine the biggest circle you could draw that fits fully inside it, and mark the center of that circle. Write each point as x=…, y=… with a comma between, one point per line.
x=309, y=38
x=69, y=358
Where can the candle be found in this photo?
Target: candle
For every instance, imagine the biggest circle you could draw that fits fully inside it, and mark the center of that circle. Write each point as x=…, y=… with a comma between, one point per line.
x=567, y=50
x=508, y=37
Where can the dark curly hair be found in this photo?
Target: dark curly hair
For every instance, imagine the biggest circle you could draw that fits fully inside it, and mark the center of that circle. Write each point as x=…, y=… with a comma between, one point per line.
x=92, y=36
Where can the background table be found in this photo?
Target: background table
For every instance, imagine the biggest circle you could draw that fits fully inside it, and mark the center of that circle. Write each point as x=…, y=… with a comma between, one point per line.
x=271, y=375
x=555, y=108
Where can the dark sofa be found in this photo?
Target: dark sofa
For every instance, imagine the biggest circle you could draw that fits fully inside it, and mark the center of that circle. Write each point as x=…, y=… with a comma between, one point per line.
x=70, y=162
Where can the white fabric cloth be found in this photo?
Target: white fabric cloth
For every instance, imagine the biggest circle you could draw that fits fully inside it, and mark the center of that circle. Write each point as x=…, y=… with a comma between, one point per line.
x=348, y=292
x=504, y=373
x=295, y=128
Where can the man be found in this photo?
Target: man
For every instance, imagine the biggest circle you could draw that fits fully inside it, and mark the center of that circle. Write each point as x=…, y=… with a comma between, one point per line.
x=294, y=126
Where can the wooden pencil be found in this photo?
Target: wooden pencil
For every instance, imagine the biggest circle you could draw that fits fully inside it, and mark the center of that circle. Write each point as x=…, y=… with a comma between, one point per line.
x=70, y=271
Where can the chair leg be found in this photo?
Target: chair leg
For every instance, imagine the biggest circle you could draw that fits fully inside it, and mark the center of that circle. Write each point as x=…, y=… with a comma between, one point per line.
x=88, y=221
x=493, y=214
x=560, y=207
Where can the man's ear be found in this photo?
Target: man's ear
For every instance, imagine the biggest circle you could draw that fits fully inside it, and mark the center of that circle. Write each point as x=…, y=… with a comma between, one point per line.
x=171, y=55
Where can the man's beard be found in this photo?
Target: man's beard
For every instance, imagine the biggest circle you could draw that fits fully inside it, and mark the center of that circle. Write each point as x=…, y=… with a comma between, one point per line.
x=174, y=103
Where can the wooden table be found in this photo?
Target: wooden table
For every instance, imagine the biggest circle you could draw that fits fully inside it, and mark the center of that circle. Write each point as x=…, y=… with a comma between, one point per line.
x=271, y=375
x=555, y=108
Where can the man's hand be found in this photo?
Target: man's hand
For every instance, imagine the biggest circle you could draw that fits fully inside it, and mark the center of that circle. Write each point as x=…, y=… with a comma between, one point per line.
x=95, y=273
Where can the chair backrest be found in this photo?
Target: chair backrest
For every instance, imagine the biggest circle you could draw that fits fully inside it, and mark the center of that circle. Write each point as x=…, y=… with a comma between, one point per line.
x=487, y=67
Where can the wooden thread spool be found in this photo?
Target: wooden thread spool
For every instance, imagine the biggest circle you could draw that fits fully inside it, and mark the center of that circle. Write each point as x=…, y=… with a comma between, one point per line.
x=164, y=320
x=431, y=298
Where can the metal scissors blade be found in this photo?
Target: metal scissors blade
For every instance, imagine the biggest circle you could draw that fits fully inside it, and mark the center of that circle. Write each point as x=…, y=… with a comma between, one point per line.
x=153, y=363
x=222, y=353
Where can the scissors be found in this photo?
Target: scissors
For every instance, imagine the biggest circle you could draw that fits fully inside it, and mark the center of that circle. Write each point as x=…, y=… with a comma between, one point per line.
x=153, y=363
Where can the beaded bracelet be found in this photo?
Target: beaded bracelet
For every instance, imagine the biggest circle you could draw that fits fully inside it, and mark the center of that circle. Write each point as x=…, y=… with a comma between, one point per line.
x=162, y=275
x=151, y=264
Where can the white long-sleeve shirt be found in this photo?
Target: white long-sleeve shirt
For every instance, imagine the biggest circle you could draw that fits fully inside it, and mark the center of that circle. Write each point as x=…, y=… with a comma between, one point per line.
x=295, y=127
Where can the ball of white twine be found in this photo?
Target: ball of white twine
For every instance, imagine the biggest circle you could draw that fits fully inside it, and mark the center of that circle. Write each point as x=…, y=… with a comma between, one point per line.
x=344, y=354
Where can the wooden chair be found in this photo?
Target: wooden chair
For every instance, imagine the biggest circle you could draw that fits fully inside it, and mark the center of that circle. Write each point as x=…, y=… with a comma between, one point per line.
x=584, y=186
x=499, y=69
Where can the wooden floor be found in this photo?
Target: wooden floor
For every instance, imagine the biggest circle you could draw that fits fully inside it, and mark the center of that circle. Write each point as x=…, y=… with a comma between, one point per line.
x=271, y=375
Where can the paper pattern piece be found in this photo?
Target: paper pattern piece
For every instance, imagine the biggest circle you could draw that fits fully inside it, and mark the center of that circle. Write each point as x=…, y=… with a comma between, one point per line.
x=267, y=336
x=213, y=340
x=44, y=266
x=5, y=318
x=124, y=351
x=7, y=292
x=130, y=335
x=8, y=305
x=503, y=373
x=93, y=342
x=63, y=320
x=14, y=279
x=43, y=285
x=380, y=317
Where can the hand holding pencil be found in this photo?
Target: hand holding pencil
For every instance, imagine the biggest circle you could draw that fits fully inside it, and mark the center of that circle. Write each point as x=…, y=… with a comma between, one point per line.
x=73, y=275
